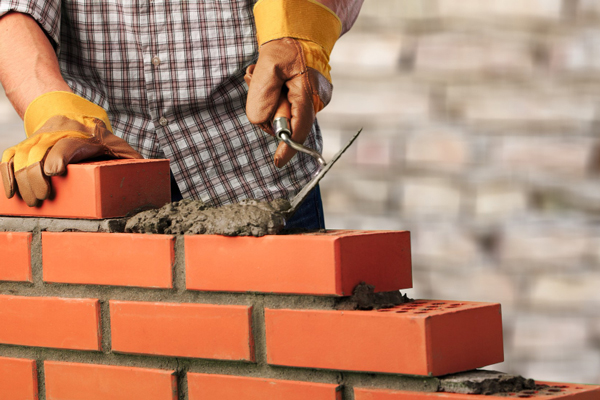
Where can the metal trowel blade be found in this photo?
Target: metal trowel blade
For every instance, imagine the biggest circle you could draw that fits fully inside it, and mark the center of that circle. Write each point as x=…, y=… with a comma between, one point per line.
x=301, y=196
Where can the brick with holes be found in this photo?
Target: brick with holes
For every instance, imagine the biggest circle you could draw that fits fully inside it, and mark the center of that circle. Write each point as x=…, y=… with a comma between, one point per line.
x=424, y=337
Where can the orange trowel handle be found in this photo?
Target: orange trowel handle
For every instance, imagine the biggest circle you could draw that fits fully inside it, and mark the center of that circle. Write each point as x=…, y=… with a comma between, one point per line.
x=282, y=129
x=285, y=108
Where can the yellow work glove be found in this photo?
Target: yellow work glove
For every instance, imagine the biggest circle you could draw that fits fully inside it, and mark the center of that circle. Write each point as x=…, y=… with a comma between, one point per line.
x=295, y=39
x=62, y=128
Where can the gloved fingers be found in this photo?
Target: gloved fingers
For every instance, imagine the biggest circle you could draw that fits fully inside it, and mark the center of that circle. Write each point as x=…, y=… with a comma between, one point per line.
x=31, y=182
x=265, y=86
x=283, y=155
x=8, y=154
x=115, y=146
x=21, y=158
x=7, y=171
x=47, y=140
x=248, y=75
x=284, y=110
x=121, y=149
x=70, y=150
x=38, y=181
x=303, y=117
x=25, y=189
x=321, y=89
x=8, y=177
x=67, y=151
x=54, y=129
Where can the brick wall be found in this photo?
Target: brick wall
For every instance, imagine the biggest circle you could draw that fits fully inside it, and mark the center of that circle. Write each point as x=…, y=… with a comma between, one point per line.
x=132, y=316
x=480, y=127
x=90, y=313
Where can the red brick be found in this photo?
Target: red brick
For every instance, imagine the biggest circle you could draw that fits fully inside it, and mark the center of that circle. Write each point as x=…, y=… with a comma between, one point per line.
x=182, y=330
x=101, y=189
x=50, y=322
x=426, y=337
x=555, y=391
x=122, y=259
x=73, y=381
x=330, y=263
x=15, y=263
x=18, y=379
x=227, y=387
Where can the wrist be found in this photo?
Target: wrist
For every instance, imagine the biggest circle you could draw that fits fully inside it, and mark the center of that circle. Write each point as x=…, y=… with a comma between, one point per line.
x=299, y=19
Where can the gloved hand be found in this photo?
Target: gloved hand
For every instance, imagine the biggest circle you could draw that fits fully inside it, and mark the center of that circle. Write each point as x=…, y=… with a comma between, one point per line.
x=61, y=128
x=295, y=38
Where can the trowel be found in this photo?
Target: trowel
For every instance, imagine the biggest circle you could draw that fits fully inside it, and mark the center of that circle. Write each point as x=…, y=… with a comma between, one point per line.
x=282, y=131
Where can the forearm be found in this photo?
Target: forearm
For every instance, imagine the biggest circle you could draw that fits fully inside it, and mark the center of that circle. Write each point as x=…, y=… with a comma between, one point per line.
x=346, y=10
x=28, y=63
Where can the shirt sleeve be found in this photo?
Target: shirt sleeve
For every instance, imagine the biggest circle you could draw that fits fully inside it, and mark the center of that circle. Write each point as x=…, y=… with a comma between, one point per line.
x=346, y=10
x=45, y=12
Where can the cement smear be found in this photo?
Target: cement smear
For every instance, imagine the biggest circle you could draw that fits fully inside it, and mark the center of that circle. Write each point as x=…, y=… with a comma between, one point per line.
x=193, y=217
x=485, y=382
x=364, y=298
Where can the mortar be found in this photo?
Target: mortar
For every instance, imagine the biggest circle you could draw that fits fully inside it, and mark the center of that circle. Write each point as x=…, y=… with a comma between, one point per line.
x=192, y=217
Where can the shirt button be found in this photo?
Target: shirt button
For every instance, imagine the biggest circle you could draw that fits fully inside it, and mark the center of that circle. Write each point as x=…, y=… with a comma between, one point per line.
x=163, y=121
x=156, y=60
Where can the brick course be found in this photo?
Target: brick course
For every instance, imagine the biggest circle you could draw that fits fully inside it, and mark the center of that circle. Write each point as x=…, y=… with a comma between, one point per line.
x=76, y=381
x=100, y=189
x=331, y=263
x=119, y=259
x=15, y=264
x=422, y=338
x=225, y=387
x=18, y=379
x=50, y=322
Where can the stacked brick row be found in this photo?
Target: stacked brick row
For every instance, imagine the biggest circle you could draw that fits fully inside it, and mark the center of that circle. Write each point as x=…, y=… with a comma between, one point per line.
x=419, y=338
x=100, y=315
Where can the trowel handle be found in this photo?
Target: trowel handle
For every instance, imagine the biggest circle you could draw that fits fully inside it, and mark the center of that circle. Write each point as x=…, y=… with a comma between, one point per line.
x=282, y=129
x=284, y=109
x=281, y=120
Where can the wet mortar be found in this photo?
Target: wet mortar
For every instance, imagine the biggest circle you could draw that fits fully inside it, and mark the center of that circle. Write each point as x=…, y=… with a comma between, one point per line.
x=364, y=298
x=193, y=217
x=486, y=382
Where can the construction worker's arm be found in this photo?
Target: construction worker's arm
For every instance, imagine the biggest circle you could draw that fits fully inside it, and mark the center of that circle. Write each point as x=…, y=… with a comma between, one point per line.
x=28, y=63
x=61, y=127
x=295, y=39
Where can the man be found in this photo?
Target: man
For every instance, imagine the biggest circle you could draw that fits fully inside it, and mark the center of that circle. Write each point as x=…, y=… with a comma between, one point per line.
x=168, y=77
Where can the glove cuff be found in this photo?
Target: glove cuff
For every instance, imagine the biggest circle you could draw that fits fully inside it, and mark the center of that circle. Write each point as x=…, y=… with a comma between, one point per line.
x=298, y=19
x=67, y=104
x=315, y=59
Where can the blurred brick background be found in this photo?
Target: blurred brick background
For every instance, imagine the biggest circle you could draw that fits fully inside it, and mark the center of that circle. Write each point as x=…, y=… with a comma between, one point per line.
x=481, y=137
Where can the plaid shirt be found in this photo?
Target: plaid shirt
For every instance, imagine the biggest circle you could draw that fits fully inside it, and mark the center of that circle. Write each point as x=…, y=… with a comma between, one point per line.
x=170, y=75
